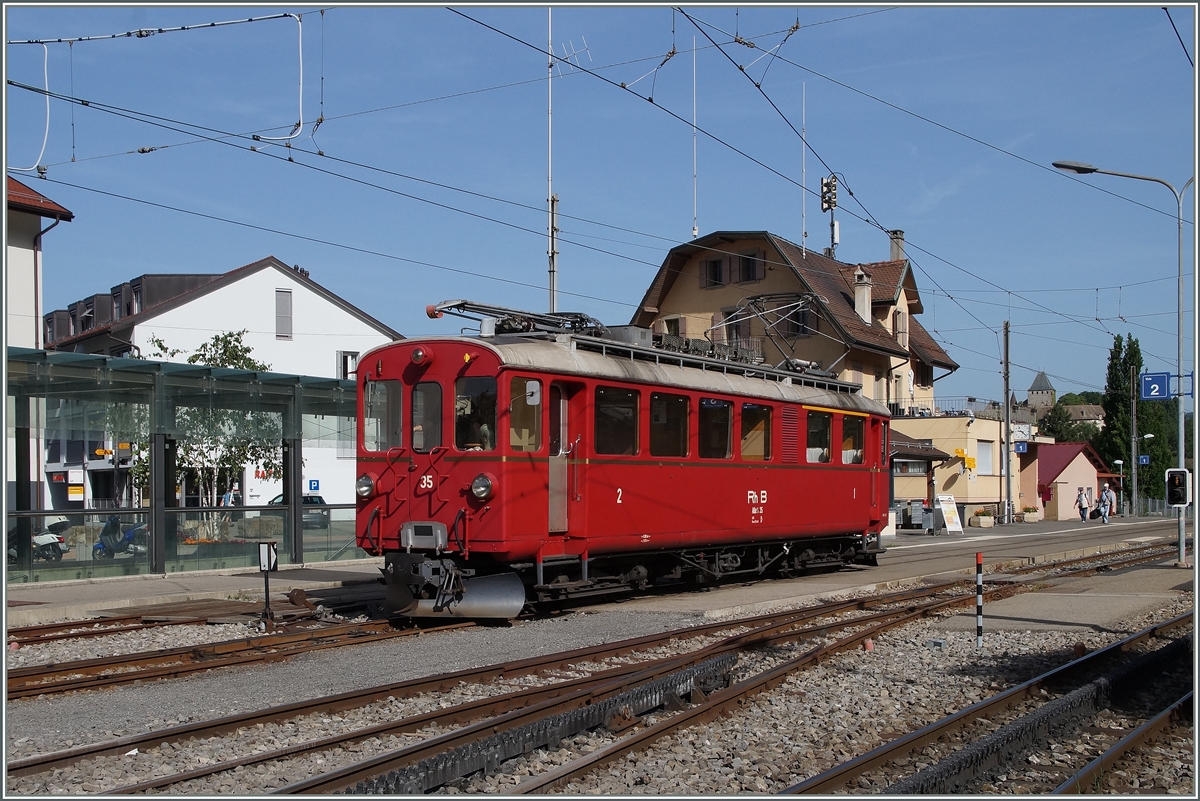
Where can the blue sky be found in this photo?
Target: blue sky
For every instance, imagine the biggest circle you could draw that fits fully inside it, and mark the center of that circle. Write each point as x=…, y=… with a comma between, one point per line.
x=943, y=121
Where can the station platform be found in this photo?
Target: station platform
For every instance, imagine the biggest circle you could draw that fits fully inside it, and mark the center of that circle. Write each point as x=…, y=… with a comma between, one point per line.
x=42, y=602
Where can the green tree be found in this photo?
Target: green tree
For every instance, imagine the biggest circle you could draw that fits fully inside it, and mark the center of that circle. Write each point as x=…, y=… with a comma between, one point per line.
x=1114, y=441
x=1081, y=398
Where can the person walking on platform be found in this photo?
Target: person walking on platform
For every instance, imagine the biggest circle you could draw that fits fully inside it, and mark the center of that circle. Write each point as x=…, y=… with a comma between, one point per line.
x=1106, y=503
x=1082, y=504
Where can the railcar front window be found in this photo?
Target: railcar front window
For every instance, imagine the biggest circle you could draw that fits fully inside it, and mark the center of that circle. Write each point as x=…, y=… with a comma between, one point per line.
x=668, y=424
x=525, y=419
x=716, y=428
x=756, y=432
x=852, y=440
x=820, y=425
x=381, y=428
x=475, y=413
x=616, y=421
x=426, y=416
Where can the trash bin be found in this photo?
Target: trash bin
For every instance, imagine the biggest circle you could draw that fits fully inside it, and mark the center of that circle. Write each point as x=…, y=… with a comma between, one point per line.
x=933, y=520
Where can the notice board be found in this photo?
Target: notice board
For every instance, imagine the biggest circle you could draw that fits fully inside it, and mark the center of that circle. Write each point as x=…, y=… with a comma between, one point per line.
x=950, y=514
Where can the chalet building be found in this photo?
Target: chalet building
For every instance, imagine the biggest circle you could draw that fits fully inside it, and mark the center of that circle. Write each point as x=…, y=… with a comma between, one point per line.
x=27, y=212
x=758, y=293
x=1064, y=468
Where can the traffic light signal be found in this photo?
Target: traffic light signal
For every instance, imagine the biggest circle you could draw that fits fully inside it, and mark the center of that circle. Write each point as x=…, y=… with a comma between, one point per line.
x=829, y=193
x=1179, y=487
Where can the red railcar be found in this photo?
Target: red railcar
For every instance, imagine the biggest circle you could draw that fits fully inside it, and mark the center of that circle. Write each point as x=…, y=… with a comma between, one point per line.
x=535, y=465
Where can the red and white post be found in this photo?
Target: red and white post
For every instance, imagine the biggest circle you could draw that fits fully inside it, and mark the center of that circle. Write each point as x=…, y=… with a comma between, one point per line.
x=979, y=600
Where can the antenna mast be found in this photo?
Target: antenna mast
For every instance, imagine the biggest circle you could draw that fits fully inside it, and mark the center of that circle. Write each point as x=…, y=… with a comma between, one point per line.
x=695, y=223
x=552, y=199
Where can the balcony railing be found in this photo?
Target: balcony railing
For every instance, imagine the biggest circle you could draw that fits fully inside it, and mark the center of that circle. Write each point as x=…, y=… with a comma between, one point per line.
x=961, y=406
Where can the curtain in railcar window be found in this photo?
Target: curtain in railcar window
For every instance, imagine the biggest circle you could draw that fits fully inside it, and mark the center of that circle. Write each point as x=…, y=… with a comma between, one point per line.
x=852, y=440
x=525, y=418
x=616, y=421
x=381, y=414
x=756, y=432
x=668, y=424
x=819, y=433
x=475, y=413
x=716, y=428
x=427, y=416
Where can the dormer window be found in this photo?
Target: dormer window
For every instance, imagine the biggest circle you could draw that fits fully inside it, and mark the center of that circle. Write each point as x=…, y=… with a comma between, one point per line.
x=116, y=306
x=712, y=273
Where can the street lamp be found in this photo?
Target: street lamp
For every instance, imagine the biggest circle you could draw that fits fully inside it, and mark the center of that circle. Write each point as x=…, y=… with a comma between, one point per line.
x=1087, y=169
x=1120, y=463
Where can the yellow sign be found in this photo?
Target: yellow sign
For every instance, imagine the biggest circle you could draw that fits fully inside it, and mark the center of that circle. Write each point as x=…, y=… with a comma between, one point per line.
x=75, y=492
x=960, y=453
x=969, y=462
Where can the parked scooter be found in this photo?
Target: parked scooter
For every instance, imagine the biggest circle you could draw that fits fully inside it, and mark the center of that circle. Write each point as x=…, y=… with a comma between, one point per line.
x=113, y=541
x=49, y=543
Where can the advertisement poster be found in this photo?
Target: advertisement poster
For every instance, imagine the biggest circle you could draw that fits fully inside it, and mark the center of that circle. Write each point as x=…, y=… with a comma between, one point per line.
x=950, y=514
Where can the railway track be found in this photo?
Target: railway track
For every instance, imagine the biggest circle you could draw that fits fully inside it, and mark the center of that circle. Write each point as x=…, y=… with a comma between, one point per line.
x=104, y=672
x=892, y=758
x=609, y=663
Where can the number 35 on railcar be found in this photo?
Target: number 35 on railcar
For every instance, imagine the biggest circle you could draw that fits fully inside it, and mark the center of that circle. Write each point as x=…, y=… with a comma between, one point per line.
x=545, y=460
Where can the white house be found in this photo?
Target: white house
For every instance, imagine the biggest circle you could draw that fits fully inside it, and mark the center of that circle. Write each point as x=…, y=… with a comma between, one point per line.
x=292, y=323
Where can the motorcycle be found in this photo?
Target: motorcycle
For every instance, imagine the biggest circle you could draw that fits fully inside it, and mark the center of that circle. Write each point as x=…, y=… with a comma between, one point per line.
x=49, y=544
x=113, y=540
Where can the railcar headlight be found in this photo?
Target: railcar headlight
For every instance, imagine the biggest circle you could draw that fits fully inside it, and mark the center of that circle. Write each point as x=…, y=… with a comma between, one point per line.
x=365, y=486
x=483, y=487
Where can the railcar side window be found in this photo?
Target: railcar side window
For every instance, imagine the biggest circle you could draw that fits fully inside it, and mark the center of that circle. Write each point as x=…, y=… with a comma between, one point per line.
x=475, y=413
x=852, y=439
x=668, y=424
x=819, y=431
x=381, y=414
x=524, y=420
x=716, y=428
x=756, y=432
x=426, y=416
x=616, y=420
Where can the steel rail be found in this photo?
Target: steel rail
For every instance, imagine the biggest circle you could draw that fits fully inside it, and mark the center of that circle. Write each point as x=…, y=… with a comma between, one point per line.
x=1088, y=778
x=90, y=674
x=1162, y=551
x=441, y=682
x=838, y=776
x=768, y=634
x=79, y=630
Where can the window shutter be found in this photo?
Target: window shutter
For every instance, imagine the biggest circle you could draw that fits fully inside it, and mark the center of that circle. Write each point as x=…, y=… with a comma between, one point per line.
x=761, y=265
x=283, y=314
x=659, y=327
x=726, y=271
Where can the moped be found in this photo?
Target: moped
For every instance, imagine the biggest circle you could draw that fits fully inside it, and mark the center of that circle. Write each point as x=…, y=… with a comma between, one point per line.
x=113, y=540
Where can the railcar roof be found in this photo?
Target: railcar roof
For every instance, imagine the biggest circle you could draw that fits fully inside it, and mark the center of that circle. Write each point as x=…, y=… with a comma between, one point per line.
x=604, y=358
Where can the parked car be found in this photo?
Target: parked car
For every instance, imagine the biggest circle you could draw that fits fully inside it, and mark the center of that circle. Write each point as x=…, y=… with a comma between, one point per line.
x=311, y=518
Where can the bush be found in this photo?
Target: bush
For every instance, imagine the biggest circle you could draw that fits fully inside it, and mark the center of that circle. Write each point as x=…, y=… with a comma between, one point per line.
x=1030, y=509
x=983, y=513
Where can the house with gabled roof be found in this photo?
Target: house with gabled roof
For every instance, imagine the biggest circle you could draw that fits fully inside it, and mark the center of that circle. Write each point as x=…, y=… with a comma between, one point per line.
x=292, y=323
x=760, y=293
x=27, y=209
x=1064, y=468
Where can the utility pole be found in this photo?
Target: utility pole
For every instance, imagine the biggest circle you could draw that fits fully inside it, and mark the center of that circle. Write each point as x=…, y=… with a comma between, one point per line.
x=1133, y=436
x=1007, y=437
x=551, y=198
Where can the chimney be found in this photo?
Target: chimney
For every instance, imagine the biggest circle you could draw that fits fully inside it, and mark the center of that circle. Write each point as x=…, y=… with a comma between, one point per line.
x=862, y=294
x=897, y=238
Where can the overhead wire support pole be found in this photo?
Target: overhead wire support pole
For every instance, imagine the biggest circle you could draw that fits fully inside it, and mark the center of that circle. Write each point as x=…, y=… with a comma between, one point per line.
x=551, y=199
x=1008, y=457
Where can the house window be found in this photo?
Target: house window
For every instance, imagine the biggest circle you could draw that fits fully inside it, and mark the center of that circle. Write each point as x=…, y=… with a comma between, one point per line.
x=749, y=267
x=716, y=425
x=712, y=273
x=983, y=458
x=74, y=324
x=924, y=374
x=736, y=326
x=283, y=314
x=116, y=306
x=900, y=328
x=347, y=363
x=671, y=326
x=137, y=299
x=795, y=323
x=49, y=335
x=668, y=424
x=903, y=468
x=89, y=317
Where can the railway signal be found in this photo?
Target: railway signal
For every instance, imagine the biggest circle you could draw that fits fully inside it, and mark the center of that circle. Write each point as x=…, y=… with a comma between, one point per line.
x=1179, y=487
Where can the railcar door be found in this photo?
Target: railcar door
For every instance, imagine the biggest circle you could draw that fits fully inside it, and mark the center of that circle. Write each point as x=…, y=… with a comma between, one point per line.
x=564, y=453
